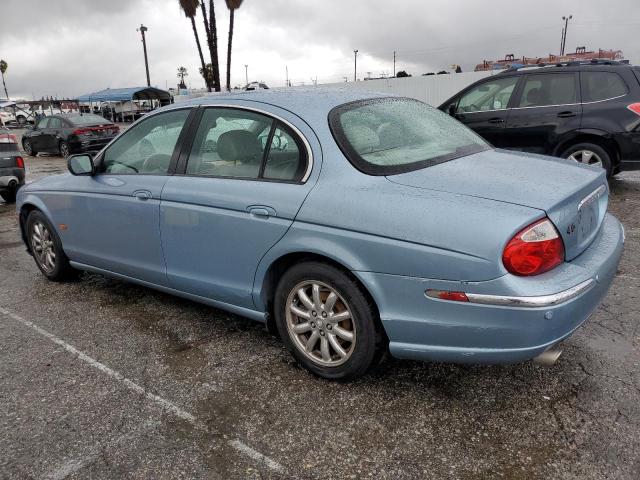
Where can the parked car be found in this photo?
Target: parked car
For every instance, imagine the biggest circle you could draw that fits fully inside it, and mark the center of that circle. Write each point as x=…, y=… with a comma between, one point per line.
x=69, y=133
x=11, y=166
x=587, y=112
x=363, y=222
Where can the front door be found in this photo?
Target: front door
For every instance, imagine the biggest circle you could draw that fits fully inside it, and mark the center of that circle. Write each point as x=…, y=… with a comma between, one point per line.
x=112, y=218
x=484, y=108
x=37, y=136
x=547, y=108
x=246, y=177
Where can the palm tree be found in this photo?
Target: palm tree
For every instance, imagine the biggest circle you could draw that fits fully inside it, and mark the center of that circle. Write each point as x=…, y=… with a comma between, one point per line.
x=212, y=41
x=190, y=8
x=182, y=72
x=232, y=5
x=3, y=68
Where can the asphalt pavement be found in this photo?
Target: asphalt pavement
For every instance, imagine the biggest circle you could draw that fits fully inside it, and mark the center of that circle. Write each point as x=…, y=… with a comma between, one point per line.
x=102, y=379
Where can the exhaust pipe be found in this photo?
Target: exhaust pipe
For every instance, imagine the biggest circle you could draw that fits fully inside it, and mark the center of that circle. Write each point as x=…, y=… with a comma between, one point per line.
x=548, y=357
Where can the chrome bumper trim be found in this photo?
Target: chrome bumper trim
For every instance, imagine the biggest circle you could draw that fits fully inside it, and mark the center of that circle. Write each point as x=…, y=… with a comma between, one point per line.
x=532, y=302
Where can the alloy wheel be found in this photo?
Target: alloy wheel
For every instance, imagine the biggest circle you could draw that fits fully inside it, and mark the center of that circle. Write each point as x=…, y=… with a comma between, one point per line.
x=64, y=149
x=320, y=323
x=27, y=148
x=43, y=247
x=586, y=157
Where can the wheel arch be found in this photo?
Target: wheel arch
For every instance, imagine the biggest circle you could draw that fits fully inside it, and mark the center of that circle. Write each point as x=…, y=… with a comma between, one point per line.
x=29, y=205
x=269, y=281
x=597, y=137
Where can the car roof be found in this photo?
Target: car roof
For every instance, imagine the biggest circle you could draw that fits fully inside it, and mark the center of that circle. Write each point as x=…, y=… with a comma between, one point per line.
x=551, y=68
x=298, y=100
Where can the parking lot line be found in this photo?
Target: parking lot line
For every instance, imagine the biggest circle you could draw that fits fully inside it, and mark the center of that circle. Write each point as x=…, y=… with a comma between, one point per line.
x=165, y=404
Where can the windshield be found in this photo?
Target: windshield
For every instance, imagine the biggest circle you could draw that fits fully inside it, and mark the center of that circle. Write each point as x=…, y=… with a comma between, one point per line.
x=87, y=119
x=395, y=135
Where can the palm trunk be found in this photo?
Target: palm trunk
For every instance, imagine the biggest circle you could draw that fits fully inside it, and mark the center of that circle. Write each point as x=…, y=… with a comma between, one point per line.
x=214, y=34
x=5, y=87
x=211, y=41
x=204, y=68
x=229, y=49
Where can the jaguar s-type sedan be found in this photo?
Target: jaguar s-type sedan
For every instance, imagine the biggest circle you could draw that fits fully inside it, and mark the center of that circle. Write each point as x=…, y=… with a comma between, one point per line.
x=350, y=223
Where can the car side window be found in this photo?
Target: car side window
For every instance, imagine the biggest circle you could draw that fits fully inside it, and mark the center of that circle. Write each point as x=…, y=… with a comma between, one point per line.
x=286, y=160
x=55, y=122
x=147, y=147
x=43, y=123
x=491, y=95
x=548, y=89
x=597, y=86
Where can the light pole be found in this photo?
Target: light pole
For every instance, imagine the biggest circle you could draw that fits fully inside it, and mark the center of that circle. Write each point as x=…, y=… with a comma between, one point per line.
x=355, y=65
x=394, y=63
x=246, y=73
x=143, y=29
x=564, y=32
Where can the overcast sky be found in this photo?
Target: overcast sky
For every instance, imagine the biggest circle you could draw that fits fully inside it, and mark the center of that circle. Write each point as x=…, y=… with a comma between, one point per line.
x=72, y=47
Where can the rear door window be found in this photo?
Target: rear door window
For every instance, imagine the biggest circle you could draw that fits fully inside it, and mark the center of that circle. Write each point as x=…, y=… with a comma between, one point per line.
x=598, y=86
x=548, y=89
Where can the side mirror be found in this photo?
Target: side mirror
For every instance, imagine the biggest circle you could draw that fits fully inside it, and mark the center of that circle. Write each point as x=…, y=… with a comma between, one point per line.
x=81, y=165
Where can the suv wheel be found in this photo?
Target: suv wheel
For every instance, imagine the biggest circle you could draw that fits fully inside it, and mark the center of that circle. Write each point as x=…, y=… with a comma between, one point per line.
x=326, y=321
x=589, y=154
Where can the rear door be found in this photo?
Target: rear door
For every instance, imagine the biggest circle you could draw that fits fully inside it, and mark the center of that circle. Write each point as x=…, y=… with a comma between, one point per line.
x=243, y=181
x=484, y=108
x=548, y=107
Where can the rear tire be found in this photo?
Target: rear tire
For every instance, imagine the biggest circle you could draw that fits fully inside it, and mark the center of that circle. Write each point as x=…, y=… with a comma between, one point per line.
x=340, y=349
x=46, y=248
x=589, y=153
x=9, y=197
x=22, y=121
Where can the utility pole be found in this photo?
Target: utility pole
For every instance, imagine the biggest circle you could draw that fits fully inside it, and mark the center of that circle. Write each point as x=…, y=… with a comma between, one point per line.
x=355, y=65
x=287, y=72
x=143, y=29
x=564, y=32
x=246, y=73
x=394, y=63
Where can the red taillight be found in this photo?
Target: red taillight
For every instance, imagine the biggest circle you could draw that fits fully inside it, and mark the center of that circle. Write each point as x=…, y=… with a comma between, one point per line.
x=534, y=250
x=81, y=131
x=635, y=108
x=19, y=162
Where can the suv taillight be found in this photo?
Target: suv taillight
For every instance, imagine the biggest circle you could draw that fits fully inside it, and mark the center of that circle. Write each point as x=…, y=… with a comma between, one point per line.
x=635, y=108
x=534, y=250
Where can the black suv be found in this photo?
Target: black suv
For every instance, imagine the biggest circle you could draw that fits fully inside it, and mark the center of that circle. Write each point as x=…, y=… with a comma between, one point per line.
x=587, y=112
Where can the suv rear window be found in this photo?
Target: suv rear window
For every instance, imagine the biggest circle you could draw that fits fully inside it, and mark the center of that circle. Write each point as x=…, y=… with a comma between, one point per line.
x=387, y=136
x=597, y=86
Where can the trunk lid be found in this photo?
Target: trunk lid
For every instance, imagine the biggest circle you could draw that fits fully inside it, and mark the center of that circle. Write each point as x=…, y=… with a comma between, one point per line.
x=573, y=196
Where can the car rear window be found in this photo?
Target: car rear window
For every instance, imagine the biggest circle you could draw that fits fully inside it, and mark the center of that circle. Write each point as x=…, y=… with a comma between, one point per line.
x=87, y=119
x=387, y=136
x=597, y=86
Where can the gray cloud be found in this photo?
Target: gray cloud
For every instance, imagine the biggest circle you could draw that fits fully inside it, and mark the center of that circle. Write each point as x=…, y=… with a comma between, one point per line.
x=68, y=47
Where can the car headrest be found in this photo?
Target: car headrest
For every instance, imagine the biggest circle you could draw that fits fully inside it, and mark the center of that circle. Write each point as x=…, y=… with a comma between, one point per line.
x=239, y=145
x=534, y=96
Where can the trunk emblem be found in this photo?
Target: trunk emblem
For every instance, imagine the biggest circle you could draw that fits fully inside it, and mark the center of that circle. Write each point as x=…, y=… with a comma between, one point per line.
x=592, y=197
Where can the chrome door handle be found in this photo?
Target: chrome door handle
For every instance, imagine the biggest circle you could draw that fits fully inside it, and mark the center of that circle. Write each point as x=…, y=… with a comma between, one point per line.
x=496, y=120
x=259, y=212
x=142, y=194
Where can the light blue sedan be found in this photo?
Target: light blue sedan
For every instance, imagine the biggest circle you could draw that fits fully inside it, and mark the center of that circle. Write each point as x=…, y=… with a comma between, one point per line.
x=350, y=223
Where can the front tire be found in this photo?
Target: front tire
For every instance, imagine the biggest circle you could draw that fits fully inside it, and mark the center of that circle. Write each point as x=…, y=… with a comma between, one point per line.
x=327, y=321
x=589, y=154
x=46, y=248
x=64, y=149
x=28, y=148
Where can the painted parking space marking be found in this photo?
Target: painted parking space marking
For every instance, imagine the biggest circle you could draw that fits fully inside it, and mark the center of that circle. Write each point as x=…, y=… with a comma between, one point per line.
x=131, y=385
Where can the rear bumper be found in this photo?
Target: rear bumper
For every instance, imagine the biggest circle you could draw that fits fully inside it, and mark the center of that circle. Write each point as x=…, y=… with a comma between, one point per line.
x=629, y=144
x=516, y=319
x=78, y=145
